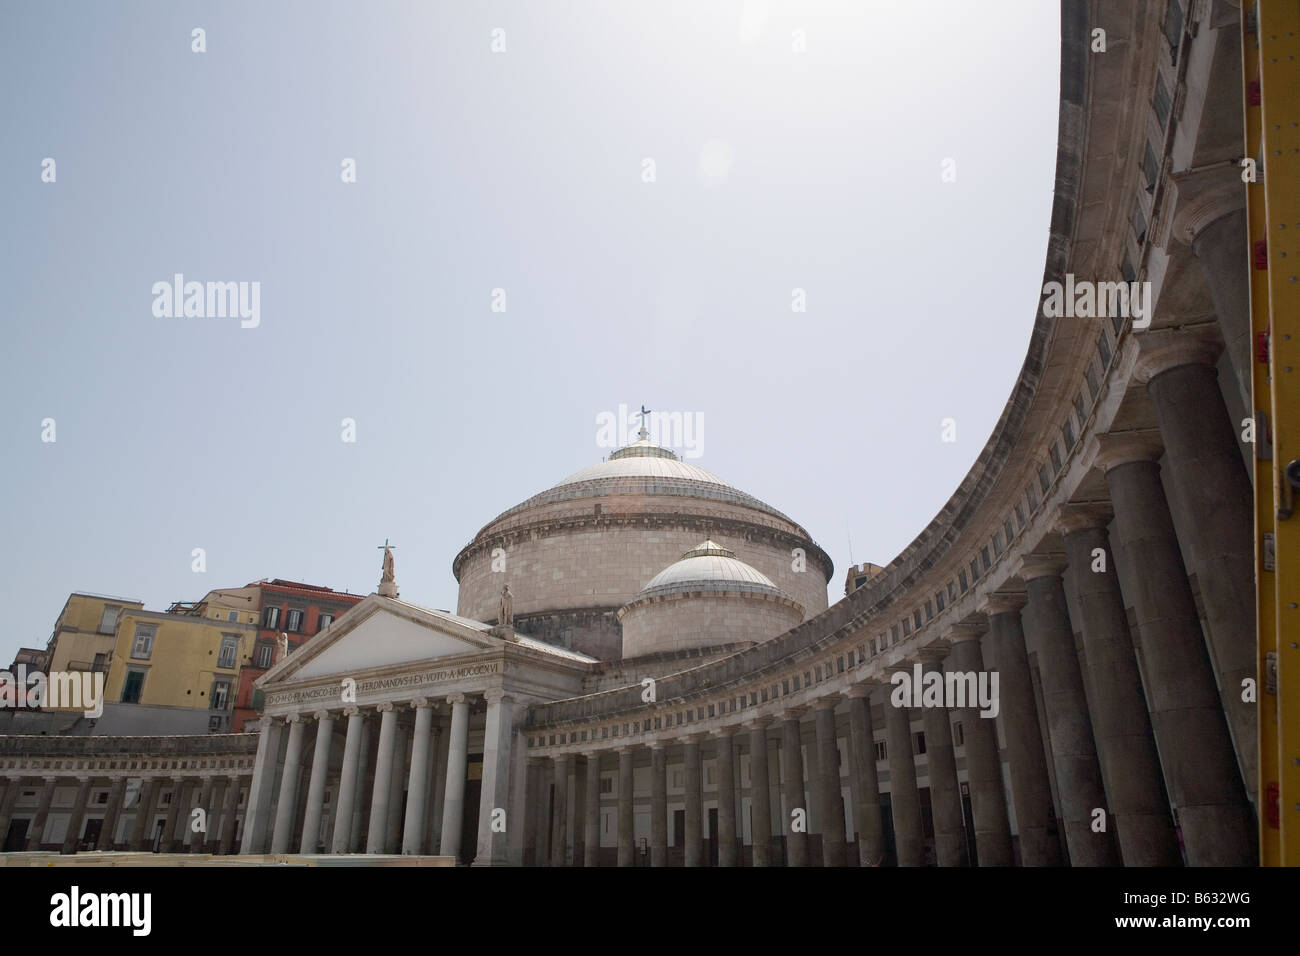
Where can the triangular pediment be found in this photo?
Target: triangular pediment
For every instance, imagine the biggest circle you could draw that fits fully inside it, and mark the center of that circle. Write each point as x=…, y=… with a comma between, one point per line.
x=378, y=633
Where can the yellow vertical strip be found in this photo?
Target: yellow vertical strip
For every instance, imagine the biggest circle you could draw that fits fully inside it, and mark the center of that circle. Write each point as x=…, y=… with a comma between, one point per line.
x=1278, y=39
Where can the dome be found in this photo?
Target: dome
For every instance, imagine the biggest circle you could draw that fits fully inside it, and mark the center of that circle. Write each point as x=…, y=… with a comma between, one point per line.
x=643, y=460
x=709, y=567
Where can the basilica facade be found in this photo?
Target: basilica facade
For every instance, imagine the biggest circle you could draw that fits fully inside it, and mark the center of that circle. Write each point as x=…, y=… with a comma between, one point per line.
x=643, y=668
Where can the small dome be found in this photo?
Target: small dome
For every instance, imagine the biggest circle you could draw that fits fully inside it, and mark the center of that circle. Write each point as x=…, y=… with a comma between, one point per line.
x=709, y=567
x=644, y=459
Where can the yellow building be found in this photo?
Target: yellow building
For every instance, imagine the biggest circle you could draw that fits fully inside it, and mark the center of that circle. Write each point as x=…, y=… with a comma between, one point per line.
x=86, y=632
x=188, y=659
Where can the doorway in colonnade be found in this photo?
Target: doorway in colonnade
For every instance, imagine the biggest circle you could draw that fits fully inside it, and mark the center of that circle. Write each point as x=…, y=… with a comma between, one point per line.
x=469, y=815
x=16, y=839
x=713, y=836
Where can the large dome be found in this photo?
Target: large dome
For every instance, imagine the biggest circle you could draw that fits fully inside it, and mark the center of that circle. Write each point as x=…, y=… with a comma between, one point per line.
x=578, y=552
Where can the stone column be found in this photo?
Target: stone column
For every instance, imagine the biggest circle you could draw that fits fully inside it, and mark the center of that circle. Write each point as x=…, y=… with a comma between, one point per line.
x=140, y=822
x=694, y=847
x=543, y=771
x=866, y=786
x=579, y=829
x=1201, y=771
x=983, y=763
x=591, y=809
x=494, y=793
x=560, y=817
x=726, y=836
x=453, y=801
x=320, y=760
x=7, y=807
x=111, y=813
x=169, y=842
x=287, y=803
x=345, y=804
x=37, y=829
x=904, y=797
x=1215, y=513
x=1031, y=789
x=73, y=836
x=796, y=840
x=377, y=831
x=199, y=841
x=1130, y=767
x=394, y=818
x=364, y=786
x=941, y=763
x=257, y=814
x=760, y=794
x=230, y=819
x=658, y=804
x=437, y=788
x=830, y=805
x=1078, y=771
x=416, y=793
x=626, y=822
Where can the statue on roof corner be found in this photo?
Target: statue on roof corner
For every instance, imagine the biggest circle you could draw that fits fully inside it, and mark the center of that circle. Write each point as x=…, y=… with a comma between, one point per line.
x=281, y=647
x=387, y=577
x=507, y=616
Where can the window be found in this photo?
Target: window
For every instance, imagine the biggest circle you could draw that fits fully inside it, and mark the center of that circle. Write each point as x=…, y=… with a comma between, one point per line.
x=916, y=618
x=938, y=600
x=918, y=742
x=324, y=621
x=142, y=649
x=952, y=592
x=1091, y=378
x=1020, y=517
x=893, y=634
x=1127, y=271
x=1055, y=454
x=229, y=647
x=293, y=621
x=1010, y=530
x=219, y=699
x=1103, y=349
x=1174, y=28
x=101, y=664
x=108, y=621
x=907, y=627
x=270, y=617
x=975, y=569
x=1069, y=434
x=1150, y=167
x=929, y=610
x=232, y=617
x=958, y=738
x=1161, y=104
x=961, y=578
x=1139, y=223
x=882, y=751
x=132, y=687
x=984, y=557
x=1044, y=479
x=262, y=657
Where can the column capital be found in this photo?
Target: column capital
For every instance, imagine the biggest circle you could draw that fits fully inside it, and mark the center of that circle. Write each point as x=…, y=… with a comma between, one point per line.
x=496, y=695
x=695, y=738
x=1003, y=603
x=827, y=702
x=321, y=714
x=728, y=731
x=657, y=744
x=758, y=723
x=351, y=711
x=862, y=689
x=1083, y=517
x=970, y=630
x=418, y=703
x=178, y=780
x=1167, y=349
x=1033, y=566
x=456, y=698
x=1205, y=198
x=627, y=750
x=934, y=652
x=265, y=723
x=1120, y=448
x=793, y=713
x=292, y=718
x=385, y=707
x=562, y=757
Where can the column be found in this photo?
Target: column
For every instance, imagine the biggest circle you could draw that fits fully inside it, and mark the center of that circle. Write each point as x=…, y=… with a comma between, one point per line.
x=42, y=814
x=543, y=771
x=865, y=785
x=1218, y=828
x=498, y=732
x=111, y=813
x=1078, y=771
x=983, y=763
x=437, y=773
x=7, y=807
x=453, y=801
x=904, y=798
x=199, y=840
x=398, y=771
x=1216, y=231
x=168, y=844
x=796, y=840
x=1031, y=789
x=257, y=813
x=320, y=760
x=941, y=769
x=73, y=836
x=1215, y=513
x=416, y=793
x=143, y=814
x=1137, y=811
x=727, y=843
x=287, y=803
x=377, y=830
x=364, y=786
x=578, y=857
x=347, y=793
x=760, y=794
x=694, y=801
x=560, y=817
x=830, y=804
x=626, y=828
x=230, y=818
x=591, y=809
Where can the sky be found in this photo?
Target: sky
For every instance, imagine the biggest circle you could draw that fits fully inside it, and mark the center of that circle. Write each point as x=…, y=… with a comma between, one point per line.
x=814, y=229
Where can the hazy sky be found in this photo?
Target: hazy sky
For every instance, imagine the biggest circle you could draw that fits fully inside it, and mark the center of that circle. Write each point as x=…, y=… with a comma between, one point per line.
x=520, y=169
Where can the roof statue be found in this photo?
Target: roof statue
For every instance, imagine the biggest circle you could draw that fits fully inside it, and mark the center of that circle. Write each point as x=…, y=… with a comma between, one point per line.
x=387, y=582
x=507, y=615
